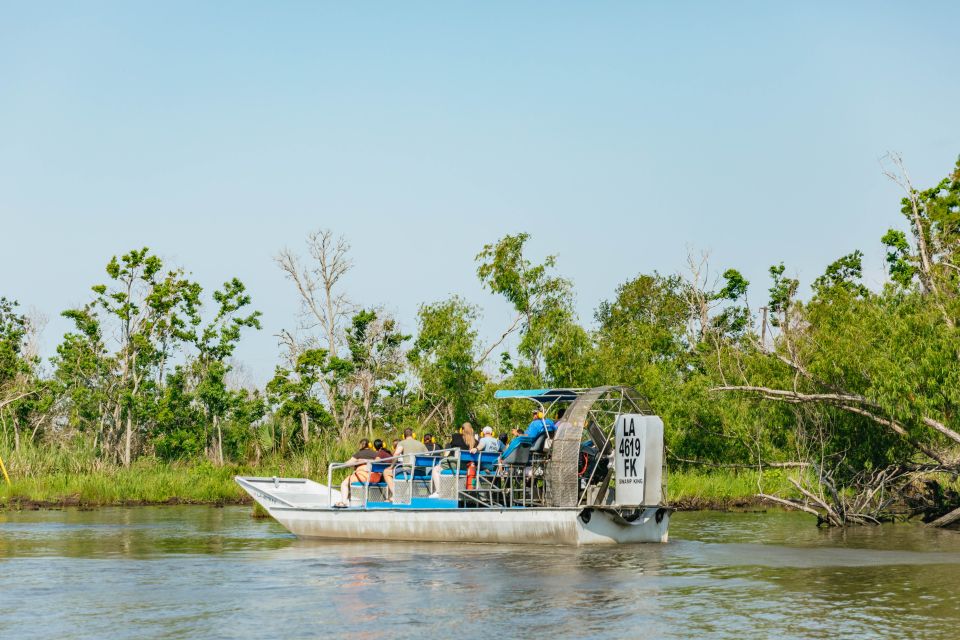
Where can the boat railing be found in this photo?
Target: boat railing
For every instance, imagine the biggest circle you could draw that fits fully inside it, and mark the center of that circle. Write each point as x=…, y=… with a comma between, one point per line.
x=403, y=461
x=509, y=484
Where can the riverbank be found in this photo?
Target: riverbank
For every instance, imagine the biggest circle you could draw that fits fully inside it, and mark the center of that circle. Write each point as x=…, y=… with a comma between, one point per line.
x=154, y=483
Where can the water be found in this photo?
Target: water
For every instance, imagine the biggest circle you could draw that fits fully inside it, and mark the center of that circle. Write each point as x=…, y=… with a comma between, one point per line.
x=172, y=572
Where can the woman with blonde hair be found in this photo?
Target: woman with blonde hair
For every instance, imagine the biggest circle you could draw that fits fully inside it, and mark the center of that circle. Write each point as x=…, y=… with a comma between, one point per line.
x=469, y=438
x=464, y=439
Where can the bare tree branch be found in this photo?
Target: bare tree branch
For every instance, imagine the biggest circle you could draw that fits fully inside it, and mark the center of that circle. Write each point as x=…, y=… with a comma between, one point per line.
x=842, y=401
x=513, y=327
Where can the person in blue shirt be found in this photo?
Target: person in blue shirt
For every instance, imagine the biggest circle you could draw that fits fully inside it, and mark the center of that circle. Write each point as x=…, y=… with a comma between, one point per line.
x=538, y=425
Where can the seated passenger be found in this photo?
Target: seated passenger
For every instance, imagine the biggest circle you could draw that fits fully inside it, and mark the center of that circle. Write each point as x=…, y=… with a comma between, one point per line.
x=487, y=443
x=381, y=449
x=386, y=475
x=410, y=447
x=429, y=443
x=537, y=426
x=463, y=440
x=360, y=460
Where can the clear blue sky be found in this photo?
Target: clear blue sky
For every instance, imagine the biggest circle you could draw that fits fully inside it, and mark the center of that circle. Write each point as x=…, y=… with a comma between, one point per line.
x=618, y=134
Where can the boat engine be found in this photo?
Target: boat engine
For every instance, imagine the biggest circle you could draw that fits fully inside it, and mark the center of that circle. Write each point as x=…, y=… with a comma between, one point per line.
x=592, y=468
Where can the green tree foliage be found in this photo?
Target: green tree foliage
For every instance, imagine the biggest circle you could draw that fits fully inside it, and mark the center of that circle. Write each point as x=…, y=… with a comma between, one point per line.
x=543, y=301
x=444, y=357
x=293, y=392
x=377, y=360
x=21, y=394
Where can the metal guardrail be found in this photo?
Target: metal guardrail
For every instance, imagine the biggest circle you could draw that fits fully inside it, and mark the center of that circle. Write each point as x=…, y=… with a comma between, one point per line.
x=505, y=482
x=439, y=454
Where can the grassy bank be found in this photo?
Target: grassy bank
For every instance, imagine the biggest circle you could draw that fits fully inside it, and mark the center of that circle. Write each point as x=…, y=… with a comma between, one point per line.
x=140, y=484
x=723, y=488
x=50, y=478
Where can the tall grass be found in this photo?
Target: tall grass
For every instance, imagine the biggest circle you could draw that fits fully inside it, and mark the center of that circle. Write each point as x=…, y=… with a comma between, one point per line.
x=722, y=488
x=75, y=475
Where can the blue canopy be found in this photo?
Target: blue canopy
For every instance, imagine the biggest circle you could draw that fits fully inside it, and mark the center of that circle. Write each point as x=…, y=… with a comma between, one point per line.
x=539, y=395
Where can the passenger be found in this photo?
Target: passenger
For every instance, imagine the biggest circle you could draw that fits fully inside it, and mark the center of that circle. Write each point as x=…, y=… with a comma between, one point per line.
x=538, y=425
x=409, y=444
x=487, y=443
x=360, y=461
x=469, y=438
x=408, y=447
x=430, y=443
x=382, y=452
x=463, y=440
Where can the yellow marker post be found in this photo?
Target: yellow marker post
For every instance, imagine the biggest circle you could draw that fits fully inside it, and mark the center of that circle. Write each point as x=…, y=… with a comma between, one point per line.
x=4, y=469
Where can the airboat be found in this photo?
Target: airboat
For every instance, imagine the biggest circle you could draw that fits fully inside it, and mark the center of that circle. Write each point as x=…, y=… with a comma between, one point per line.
x=598, y=478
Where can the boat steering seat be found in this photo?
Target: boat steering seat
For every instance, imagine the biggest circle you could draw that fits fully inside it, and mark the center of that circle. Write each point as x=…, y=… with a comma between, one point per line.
x=539, y=443
x=518, y=451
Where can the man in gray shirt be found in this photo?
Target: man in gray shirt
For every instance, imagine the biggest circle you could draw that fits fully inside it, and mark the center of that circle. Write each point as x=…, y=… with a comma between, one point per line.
x=487, y=443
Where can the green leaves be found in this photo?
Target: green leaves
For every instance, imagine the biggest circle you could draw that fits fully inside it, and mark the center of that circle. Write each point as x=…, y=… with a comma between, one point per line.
x=543, y=300
x=899, y=260
x=444, y=356
x=734, y=288
x=845, y=274
x=781, y=292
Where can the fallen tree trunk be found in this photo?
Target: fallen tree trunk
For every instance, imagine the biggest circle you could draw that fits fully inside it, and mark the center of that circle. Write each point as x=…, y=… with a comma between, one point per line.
x=946, y=520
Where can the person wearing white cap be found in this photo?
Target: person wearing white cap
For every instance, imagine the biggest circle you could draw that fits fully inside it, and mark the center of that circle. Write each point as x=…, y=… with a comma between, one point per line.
x=487, y=443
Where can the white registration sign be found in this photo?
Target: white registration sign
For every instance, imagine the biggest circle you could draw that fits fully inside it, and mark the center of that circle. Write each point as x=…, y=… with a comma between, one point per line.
x=631, y=437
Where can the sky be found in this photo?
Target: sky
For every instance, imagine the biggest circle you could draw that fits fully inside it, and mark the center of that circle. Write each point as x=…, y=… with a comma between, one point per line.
x=620, y=135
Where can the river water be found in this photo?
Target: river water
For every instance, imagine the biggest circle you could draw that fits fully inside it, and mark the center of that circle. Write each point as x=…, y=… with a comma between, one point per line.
x=199, y=572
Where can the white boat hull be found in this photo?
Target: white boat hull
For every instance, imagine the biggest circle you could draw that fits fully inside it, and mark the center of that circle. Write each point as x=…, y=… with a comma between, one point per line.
x=302, y=506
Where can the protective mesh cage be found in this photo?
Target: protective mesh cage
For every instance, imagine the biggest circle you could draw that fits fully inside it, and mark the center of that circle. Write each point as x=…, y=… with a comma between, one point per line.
x=594, y=411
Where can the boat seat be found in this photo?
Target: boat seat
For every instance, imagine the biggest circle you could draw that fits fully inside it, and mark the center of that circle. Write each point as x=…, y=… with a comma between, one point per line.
x=372, y=484
x=538, y=444
x=380, y=467
x=419, y=475
x=421, y=461
x=486, y=461
x=518, y=451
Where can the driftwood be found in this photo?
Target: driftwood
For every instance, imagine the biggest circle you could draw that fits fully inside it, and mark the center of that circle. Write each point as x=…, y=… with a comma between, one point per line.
x=845, y=401
x=838, y=511
x=946, y=520
x=790, y=504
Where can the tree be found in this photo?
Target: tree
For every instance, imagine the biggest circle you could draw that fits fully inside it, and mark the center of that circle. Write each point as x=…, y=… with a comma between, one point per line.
x=150, y=307
x=215, y=344
x=543, y=301
x=323, y=305
x=17, y=380
x=293, y=391
x=83, y=375
x=376, y=357
x=878, y=373
x=444, y=357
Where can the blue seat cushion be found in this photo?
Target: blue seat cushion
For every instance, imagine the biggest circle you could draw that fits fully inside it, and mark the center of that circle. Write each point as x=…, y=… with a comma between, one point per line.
x=418, y=477
x=426, y=461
